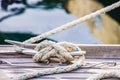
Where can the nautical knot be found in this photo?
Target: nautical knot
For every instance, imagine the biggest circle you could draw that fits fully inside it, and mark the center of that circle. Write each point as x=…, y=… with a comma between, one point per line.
x=61, y=51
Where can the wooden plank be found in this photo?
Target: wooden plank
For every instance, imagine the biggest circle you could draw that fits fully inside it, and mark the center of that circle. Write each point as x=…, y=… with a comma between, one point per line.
x=101, y=50
x=30, y=60
x=92, y=50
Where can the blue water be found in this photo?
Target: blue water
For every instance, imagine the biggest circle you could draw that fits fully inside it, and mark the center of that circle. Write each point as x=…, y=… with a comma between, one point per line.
x=39, y=21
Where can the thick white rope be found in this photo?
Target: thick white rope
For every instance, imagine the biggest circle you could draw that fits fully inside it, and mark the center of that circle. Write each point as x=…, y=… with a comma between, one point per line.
x=55, y=70
x=106, y=74
x=61, y=50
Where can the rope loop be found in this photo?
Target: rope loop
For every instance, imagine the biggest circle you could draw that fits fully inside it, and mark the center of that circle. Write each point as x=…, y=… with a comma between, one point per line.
x=106, y=74
x=61, y=50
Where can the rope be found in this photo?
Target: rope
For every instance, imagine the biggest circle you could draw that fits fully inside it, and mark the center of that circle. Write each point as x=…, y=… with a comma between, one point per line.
x=48, y=49
x=60, y=50
x=55, y=70
x=106, y=74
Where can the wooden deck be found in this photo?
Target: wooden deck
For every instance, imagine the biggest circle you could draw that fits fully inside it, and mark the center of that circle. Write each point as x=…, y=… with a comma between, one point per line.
x=95, y=54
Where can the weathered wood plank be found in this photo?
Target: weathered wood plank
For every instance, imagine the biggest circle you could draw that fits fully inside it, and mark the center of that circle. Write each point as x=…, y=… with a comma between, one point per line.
x=93, y=50
x=30, y=60
x=29, y=63
x=101, y=50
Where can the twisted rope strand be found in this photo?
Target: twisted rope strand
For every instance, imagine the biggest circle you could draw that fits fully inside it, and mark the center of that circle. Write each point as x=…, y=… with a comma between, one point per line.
x=106, y=74
x=55, y=70
x=61, y=50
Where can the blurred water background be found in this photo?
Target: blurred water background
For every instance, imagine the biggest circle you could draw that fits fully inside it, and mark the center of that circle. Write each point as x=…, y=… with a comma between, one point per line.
x=37, y=21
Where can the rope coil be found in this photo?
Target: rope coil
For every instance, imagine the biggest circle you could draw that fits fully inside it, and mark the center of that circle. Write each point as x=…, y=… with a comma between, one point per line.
x=60, y=50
